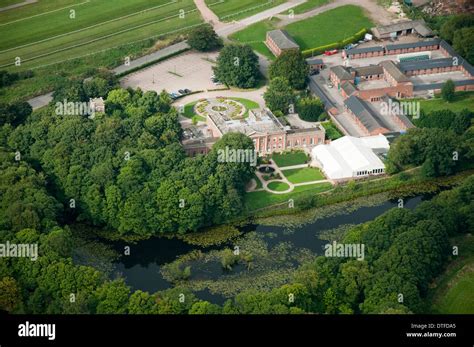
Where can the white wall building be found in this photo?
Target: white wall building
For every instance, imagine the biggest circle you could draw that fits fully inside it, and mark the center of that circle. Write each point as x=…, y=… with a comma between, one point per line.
x=351, y=156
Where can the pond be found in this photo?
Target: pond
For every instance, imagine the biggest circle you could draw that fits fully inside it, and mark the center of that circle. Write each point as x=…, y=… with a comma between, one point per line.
x=266, y=169
x=142, y=268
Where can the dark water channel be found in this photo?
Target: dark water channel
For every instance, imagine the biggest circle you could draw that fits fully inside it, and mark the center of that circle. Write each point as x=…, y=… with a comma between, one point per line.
x=141, y=269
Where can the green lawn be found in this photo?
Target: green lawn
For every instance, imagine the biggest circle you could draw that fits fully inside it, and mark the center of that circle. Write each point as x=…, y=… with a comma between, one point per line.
x=308, y=5
x=228, y=10
x=328, y=27
x=460, y=297
x=189, y=112
x=309, y=33
x=260, y=199
x=332, y=132
x=290, y=158
x=254, y=36
x=306, y=174
x=462, y=100
x=278, y=186
x=455, y=287
x=39, y=35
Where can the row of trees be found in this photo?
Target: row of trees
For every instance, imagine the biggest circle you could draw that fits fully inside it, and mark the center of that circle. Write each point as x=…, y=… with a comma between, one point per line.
x=8, y=78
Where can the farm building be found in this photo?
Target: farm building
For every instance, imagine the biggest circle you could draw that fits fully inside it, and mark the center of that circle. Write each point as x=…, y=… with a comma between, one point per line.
x=278, y=41
x=402, y=28
x=315, y=64
x=410, y=47
x=350, y=157
x=367, y=52
x=339, y=74
x=364, y=116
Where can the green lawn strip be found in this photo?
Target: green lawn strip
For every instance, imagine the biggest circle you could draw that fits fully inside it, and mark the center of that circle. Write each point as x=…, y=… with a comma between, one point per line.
x=462, y=100
x=261, y=199
x=454, y=288
x=332, y=132
x=307, y=6
x=93, y=19
x=254, y=35
x=306, y=174
x=278, y=186
x=289, y=158
x=45, y=46
x=229, y=10
x=402, y=184
x=329, y=27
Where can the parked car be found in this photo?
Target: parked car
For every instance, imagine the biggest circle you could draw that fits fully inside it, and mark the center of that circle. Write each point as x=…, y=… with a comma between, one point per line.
x=182, y=92
x=331, y=52
x=187, y=91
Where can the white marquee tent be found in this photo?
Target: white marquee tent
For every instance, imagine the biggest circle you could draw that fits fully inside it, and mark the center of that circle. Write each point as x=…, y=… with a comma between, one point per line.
x=351, y=156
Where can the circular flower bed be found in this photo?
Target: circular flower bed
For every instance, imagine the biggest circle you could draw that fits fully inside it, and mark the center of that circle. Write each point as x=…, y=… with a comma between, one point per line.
x=227, y=108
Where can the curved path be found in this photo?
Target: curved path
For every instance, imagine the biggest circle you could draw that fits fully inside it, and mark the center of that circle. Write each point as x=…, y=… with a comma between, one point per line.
x=283, y=179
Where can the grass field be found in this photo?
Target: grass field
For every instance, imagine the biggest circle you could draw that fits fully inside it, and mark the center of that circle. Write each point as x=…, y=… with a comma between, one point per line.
x=254, y=36
x=260, y=199
x=462, y=100
x=455, y=287
x=278, y=186
x=289, y=158
x=43, y=34
x=228, y=10
x=332, y=26
x=312, y=32
x=306, y=174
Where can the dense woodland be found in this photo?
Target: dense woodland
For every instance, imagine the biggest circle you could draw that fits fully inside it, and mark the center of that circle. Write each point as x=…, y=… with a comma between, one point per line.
x=124, y=169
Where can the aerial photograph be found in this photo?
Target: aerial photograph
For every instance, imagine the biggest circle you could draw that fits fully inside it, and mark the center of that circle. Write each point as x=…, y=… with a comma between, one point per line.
x=237, y=163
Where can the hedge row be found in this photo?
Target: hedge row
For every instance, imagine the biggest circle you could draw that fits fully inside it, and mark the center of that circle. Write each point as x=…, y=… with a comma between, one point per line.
x=341, y=44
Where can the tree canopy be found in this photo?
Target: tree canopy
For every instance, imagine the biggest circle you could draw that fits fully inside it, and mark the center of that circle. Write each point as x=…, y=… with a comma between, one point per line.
x=292, y=66
x=204, y=38
x=237, y=65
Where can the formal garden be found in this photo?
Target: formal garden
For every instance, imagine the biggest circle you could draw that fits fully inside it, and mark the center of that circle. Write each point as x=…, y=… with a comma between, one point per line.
x=229, y=108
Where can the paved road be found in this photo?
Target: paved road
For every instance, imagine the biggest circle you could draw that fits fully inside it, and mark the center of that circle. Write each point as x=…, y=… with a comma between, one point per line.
x=162, y=53
x=235, y=26
x=41, y=100
x=11, y=7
